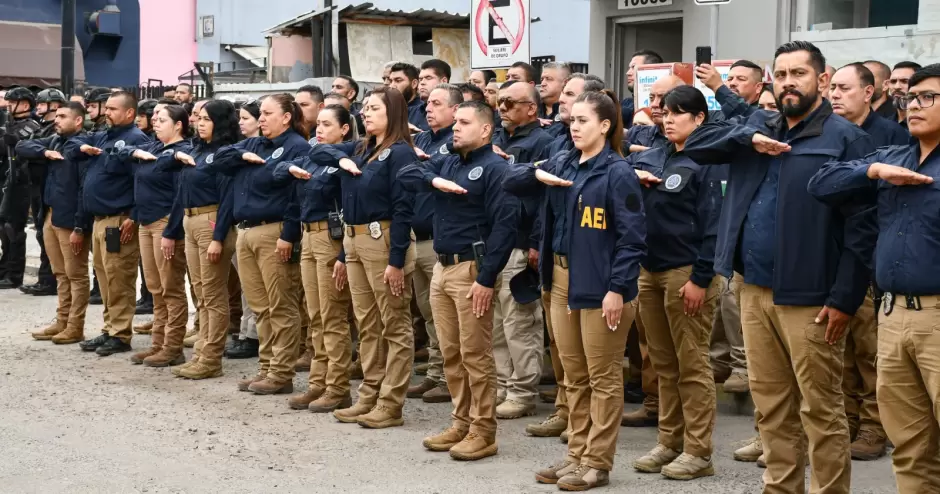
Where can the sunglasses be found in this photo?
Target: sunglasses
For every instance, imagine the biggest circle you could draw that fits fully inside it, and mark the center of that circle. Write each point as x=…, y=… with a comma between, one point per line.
x=509, y=103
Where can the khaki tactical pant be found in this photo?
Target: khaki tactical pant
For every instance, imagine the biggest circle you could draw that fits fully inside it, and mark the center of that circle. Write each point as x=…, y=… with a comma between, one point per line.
x=561, y=398
x=166, y=281
x=384, y=320
x=909, y=392
x=71, y=274
x=117, y=278
x=788, y=358
x=727, y=341
x=592, y=356
x=210, y=284
x=424, y=264
x=327, y=309
x=518, y=342
x=678, y=346
x=860, y=378
x=648, y=377
x=272, y=288
x=467, y=347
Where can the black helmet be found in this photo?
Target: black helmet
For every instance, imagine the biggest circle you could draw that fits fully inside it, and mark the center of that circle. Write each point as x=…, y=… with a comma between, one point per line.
x=21, y=94
x=146, y=107
x=51, y=95
x=98, y=95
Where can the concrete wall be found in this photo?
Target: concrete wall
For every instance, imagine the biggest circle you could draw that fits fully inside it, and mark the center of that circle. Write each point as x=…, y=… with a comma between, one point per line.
x=240, y=22
x=167, y=39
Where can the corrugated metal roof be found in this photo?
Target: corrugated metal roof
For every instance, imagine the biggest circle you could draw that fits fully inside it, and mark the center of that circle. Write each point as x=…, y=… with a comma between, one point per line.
x=367, y=13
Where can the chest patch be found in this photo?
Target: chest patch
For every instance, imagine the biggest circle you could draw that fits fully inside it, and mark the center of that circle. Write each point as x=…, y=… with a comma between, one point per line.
x=312, y=141
x=476, y=173
x=332, y=170
x=277, y=153
x=673, y=182
x=119, y=145
x=384, y=154
x=168, y=152
x=443, y=150
x=511, y=160
x=210, y=158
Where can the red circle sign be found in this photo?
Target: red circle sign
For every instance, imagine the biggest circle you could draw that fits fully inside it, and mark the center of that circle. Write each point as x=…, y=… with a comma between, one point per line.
x=480, y=21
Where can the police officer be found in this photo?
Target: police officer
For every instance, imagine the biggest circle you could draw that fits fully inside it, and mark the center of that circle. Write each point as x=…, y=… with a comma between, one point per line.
x=793, y=318
x=379, y=269
x=108, y=196
x=556, y=423
x=268, y=231
x=898, y=179
x=64, y=223
x=679, y=289
x=517, y=334
x=442, y=104
x=14, y=208
x=145, y=112
x=475, y=233
x=47, y=102
x=96, y=121
x=643, y=137
x=554, y=75
x=404, y=78
x=593, y=223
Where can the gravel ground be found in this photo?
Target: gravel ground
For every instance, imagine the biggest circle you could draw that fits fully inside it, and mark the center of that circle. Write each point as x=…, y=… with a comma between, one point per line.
x=73, y=422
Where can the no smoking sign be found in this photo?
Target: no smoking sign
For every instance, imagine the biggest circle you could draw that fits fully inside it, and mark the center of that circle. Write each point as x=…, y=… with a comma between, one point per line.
x=499, y=33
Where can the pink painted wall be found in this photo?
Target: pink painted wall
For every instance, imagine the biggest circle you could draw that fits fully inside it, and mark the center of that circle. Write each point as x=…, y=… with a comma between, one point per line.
x=167, y=39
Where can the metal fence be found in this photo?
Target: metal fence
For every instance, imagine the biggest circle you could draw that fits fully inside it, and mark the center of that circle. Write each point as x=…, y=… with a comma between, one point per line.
x=538, y=62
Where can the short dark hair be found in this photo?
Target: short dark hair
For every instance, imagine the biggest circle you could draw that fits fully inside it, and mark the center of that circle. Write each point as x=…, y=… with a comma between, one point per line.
x=747, y=64
x=528, y=69
x=649, y=56
x=352, y=83
x=487, y=75
x=686, y=99
x=476, y=94
x=591, y=81
x=178, y=115
x=454, y=95
x=129, y=99
x=224, y=118
x=506, y=84
x=816, y=58
x=882, y=67
x=907, y=65
x=483, y=110
x=928, y=72
x=410, y=71
x=334, y=95
x=167, y=101
x=315, y=92
x=440, y=67
x=74, y=107
x=185, y=85
x=865, y=74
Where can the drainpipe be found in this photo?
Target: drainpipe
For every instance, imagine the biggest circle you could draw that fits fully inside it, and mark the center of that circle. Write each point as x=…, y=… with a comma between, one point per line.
x=328, y=40
x=67, y=75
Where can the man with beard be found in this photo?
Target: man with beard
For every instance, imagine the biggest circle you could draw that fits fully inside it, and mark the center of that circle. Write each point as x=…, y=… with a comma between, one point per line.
x=740, y=93
x=880, y=102
x=897, y=86
x=642, y=57
x=404, y=78
x=803, y=281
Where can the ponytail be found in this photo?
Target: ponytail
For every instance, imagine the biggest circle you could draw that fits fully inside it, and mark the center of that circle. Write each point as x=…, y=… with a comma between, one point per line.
x=287, y=105
x=607, y=107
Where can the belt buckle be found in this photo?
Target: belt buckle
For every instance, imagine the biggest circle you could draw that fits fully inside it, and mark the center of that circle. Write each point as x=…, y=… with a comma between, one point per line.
x=888, y=301
x=375, y=230
x=913, y=302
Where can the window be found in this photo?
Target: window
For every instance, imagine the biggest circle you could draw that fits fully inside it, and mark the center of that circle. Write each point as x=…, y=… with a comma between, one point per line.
x=421, y=41
x=824, y=15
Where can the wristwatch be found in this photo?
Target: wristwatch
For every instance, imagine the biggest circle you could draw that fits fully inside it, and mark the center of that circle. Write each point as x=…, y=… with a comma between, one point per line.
x=78, y=231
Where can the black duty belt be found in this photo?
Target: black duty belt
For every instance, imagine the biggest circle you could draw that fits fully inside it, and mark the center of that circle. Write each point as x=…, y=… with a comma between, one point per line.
x=909, y=302
x=244, y=225
x=561, y=261
x=454, y=259
x=423, y=237
x=122, y=213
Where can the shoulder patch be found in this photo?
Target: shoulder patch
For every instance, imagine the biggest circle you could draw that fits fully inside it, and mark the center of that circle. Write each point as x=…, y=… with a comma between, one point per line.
x=277, y=153
x=673, y=181
x=210, y=158
x=476, y=173
x=168, y=152
x=312, y=141
x=332, y=169
x=384, y=155
x=119, y=145
x=511, y=160
x=443, y=150
x=558, y=117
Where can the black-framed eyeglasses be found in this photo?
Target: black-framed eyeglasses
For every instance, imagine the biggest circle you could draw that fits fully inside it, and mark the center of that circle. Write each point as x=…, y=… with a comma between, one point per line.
x=509, y=103
x=924, y=100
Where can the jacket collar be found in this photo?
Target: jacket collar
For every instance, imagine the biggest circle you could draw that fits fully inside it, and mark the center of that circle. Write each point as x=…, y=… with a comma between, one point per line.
x=811, y=126
x=524, y=130
x=445, y=133
x=870, y=120
x=116, y=130
x=279, y=140
x=596, y=164
x=476, y=155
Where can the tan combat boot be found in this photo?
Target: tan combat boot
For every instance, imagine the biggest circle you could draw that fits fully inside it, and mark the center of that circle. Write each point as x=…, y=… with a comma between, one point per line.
x=552, y=474
x=145, y=328
x=437, y=394
x=69, y=336
x=751, y=451
x=351, y=415
x=737, y=383
x=553, y=426
x=190, y=338
x=201, y=370
x=422, y=369
x=549, y=395
x=244, y=384
x=381, y=417
x=303, y=401
x=165, y=358
x=268, y=386
x=303, y=363
x=49, y=332
x=584, y=478
x=513, y=409
x=445, y=440
x=640, y=417
x=179, y=368
x=688, y=467
x=418, y=390
x=655, y=460
x=868, y=446
x=474, y=447
x=329, y=402
x=139, y=357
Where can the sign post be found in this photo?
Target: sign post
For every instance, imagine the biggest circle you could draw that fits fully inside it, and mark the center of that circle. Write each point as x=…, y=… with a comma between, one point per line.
x=499, y=33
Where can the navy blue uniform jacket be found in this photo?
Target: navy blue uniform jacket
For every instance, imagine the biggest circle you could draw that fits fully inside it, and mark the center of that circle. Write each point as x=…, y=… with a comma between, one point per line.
x=608, y=236
x=63, y=188
x=431, y=143
x=907, y=253
x=377, y=194
x=257, y=196
x=681, y=213
x=812, y=265
x=155, y=185
x=486, y=212
x=109, y=182
x=200, y=187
